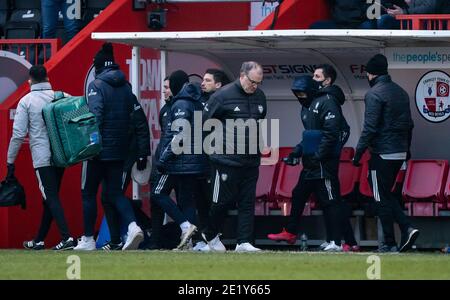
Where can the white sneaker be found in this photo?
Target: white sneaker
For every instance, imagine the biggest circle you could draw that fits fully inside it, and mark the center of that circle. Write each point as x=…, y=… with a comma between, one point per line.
x=199, y=246
x=187, y=247
x=135, y=236
x=332, y=247
x=205, y=248
x=323, y=245
x=186, y=236
x=215, y=244
x=85, y=243
x=246, y=247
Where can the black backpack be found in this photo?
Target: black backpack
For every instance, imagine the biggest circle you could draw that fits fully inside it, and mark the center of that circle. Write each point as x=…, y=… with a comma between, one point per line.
x=12, y=193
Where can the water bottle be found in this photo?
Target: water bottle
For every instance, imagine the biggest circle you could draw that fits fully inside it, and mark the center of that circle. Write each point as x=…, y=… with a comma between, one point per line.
x=304, y=242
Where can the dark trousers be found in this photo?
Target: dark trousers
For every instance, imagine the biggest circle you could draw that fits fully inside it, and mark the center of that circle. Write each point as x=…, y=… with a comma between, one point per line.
x=185, y=187
x=327, y=192
x=110, y=173
x=113, y=216
x=156, y=213
x=49, y=180
x=203, y=201
x=382, y=175
x=231, y=185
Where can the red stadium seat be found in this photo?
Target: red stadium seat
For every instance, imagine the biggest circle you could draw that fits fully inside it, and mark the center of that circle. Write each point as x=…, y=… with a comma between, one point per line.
x=348, y=177
x=423, y=189
x=347, y=153
x=447, y=191
x=264, y=187
x=287, y=179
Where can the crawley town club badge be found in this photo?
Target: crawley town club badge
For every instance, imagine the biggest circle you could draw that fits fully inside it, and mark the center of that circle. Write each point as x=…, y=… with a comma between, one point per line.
x=433, y=96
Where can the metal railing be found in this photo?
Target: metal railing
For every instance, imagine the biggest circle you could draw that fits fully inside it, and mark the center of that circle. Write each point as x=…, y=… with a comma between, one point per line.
x=36, y=51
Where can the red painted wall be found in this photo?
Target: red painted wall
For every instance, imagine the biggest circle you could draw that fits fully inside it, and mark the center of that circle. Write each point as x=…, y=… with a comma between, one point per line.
x=298, y=14
x=67, y=71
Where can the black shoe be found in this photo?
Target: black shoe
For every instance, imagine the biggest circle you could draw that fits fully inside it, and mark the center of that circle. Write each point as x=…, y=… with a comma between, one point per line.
x=32, y=245
x=387, y=249
x=412, y=235
x=112, y=247
x=68, y=244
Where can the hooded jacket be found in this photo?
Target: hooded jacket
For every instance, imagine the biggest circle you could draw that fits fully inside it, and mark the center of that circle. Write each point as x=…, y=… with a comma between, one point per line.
x=326, y=130
x=28, y=120
x=111, y=100
x=387, y=119
x=181, y=113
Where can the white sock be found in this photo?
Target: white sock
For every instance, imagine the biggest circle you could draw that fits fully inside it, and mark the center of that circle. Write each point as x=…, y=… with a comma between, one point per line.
x=185, y=226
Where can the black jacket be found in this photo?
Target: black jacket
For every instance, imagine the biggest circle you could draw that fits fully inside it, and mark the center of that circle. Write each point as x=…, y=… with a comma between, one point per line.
x=387, y=120
x=232, y=103
x=139, y=136
x=164, y=125
x=349, y=13
x=418, y=7
x=181, y=113
x=111, y=100
x=326, y=131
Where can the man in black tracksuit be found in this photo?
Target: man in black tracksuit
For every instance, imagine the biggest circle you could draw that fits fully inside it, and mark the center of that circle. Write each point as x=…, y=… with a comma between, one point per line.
x=235, y=169
x=157, y=213
x=213, y=80
x=111, y=100
x=387, y=133
x=181, y=159
x=139, y=150
x=320, y=150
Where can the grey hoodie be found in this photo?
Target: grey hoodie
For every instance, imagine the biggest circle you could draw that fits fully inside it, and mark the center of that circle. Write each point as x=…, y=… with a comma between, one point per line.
x=28, y=119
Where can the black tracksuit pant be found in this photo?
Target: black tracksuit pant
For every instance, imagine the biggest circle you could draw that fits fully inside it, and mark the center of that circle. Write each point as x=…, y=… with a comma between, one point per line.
x=49, y=179
x=186, y=190
x=232, y=185
x=327, y=192
x=382, y=175
x=113, y=216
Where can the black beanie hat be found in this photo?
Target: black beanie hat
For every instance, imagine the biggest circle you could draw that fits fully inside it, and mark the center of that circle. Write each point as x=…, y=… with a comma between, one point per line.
x=377, y=65
x=176, y=81
x=104, y=57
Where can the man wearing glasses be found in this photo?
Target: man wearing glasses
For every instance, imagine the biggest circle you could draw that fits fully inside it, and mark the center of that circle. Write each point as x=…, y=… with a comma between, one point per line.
x=235, y=163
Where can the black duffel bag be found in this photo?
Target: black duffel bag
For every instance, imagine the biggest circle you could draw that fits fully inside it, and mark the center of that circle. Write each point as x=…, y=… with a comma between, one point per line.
x=12, y=193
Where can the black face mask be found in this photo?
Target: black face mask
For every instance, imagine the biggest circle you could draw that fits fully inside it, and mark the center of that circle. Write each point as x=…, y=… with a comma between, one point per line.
x=304, y=101
x=372, y=82
x=320, y=83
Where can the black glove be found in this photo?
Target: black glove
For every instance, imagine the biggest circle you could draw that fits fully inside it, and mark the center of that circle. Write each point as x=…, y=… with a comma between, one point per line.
x=10, y=173
x=160, y=167
x=292, y=159
x=356, y=159
x=141, y=163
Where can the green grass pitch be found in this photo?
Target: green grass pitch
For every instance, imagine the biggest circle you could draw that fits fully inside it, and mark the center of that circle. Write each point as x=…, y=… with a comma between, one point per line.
x=267, y=265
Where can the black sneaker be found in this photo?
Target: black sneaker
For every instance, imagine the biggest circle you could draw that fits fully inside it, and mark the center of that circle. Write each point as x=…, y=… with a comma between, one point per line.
x=387, y=249
x=32, y=245
x=68, y=244
x=112, y=247
x=411, y=237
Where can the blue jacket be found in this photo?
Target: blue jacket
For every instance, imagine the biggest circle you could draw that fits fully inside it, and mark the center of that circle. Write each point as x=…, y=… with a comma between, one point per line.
x=111, y=100
x=184, y=104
